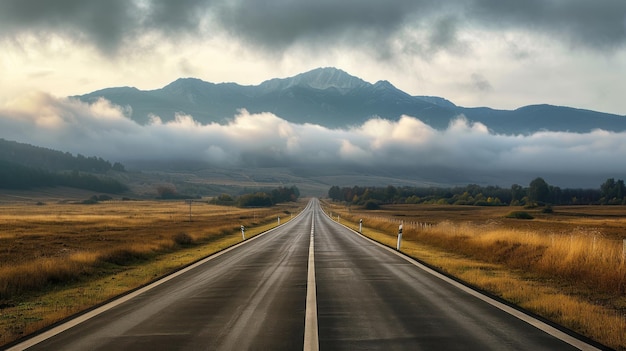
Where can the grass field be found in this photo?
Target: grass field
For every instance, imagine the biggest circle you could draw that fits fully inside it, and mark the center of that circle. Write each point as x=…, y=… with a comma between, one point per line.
x=57, y=259
x=567, y=266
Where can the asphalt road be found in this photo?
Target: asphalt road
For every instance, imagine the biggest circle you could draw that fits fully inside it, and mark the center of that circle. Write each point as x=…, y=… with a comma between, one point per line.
x=254, y=297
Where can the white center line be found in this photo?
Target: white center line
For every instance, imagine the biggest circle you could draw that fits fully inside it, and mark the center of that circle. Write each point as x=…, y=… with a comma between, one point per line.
x=311, y=341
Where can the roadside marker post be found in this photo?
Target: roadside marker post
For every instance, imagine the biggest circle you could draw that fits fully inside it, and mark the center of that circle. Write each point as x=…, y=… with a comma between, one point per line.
x=243, y=236
x=361, y=225
x=399, y=237
x=279, y=220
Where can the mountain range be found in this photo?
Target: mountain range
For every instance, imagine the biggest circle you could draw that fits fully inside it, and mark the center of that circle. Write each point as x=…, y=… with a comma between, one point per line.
x=333, y=98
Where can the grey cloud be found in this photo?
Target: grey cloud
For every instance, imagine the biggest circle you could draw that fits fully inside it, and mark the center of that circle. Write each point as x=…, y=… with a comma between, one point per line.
x=276, y=25
x=593, y=24
x=445, y=35
x=105, y=23
x=279, y=24
x=480, y=83
x=464, y=152
x=179, y=16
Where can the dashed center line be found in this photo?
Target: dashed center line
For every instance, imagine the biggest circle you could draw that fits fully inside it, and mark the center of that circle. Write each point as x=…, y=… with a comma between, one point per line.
x=311, y=340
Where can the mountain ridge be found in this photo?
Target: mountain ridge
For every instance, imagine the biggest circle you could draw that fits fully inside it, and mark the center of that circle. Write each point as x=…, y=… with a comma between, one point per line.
x=335, y=99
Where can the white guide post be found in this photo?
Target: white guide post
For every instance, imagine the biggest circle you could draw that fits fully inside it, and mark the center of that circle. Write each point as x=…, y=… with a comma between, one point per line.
x=399, y=237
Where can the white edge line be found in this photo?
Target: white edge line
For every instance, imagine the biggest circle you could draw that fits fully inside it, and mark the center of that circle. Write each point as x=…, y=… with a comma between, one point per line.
x=311, y=336
x=88, y=315
x=508, y=309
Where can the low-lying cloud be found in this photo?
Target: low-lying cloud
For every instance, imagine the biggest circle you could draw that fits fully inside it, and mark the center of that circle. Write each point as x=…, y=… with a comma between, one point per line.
x=463, y=153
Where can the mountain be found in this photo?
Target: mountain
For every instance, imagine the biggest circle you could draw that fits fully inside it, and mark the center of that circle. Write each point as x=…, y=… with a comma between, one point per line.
x=336, y=99
x=320, y=79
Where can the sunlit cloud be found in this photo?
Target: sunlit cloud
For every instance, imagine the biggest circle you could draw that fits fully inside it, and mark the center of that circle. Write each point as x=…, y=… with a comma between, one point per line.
x=464, y=151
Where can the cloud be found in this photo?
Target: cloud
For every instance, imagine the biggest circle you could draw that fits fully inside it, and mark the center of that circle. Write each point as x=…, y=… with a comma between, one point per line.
x=480, y=83
x=276, y=25
x=596, y=25
x=110, y=26
x=463, y=153
x=105, y=23
x=280, y=24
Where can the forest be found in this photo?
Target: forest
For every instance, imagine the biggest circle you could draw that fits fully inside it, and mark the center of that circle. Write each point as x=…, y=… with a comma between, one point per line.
x=539, y=192
x=15, y=176
x=24, y=166
x=51, y=160
x=260, y=198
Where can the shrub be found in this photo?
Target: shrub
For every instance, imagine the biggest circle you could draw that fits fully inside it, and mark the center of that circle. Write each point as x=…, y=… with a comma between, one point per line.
x=183, y=238
x=519, y=215
x=122, y=257
x=372, y=205
x=104, y=198
x=90, y=201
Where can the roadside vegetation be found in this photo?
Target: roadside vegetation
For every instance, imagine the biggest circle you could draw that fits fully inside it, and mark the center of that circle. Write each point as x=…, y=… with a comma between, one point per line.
x=59, y=259
x=260, y=198
x=538, y=193
x=566, y=264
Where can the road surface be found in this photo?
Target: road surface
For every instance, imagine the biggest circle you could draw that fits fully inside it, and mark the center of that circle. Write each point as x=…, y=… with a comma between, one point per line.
x=308, y=284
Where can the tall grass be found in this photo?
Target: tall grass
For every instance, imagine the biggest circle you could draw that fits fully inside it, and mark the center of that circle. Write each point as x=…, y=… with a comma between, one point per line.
x=582, y=275
x=581, y=258
x=589, y=260
x=40, y=248
x=18, y=279
x=57, y=260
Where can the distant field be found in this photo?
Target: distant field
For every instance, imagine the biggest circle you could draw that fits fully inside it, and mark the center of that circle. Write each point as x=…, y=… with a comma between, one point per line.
x=48, y=195
x=603, y=221
x=58, y=257
x=568, y=266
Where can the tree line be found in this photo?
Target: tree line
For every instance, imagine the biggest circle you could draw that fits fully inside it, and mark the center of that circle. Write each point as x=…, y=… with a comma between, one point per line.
x=24, y=166
x=16, y=176
x=51, y=160
x=260, y=198
x=539, y=192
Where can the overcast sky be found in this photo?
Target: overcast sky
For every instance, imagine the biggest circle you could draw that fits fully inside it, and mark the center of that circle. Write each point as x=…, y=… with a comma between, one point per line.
x=497, y=53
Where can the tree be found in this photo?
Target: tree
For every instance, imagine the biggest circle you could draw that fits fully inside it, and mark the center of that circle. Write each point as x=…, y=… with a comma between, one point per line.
x=166, y=191
x=259, y=199
x=517, y=193
x=612, y=192
x=538, y=191
x=118, y=167
x=391, y=192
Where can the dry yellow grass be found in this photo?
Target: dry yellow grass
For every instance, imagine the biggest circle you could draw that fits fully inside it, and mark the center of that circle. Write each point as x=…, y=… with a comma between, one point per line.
x=569, y=268
x=57, y=260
